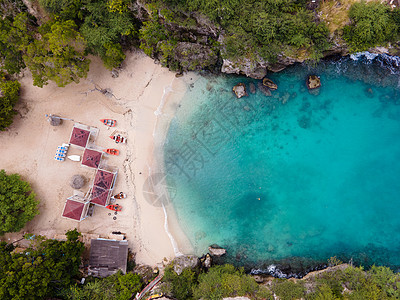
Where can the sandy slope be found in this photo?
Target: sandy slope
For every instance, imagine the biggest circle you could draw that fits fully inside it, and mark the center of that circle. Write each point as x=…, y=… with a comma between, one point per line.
x=29, y=145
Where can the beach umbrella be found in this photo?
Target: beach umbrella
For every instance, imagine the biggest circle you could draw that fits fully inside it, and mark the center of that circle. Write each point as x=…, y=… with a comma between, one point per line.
x=54, y=120
x=77, y=181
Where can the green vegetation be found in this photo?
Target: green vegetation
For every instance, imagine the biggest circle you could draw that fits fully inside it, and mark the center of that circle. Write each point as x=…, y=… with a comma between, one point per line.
x=183, y=34
x=372, y=24
x=182, y=285
x=58, y=55
x=117, y=286
x=9, y=95
x=17, y=203
x=287, y=290
x=217, y=283
x=41, y=270
x=104, y=25
x=341, y=282
x=254, y=29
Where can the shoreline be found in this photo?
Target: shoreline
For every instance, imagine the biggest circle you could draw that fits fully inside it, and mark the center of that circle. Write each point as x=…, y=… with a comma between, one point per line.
x=158, y=114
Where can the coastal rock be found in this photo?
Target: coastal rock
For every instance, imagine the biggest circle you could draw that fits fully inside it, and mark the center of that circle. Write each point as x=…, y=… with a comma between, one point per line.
x=264, y=89
x=313, y=82
x=240, y=90
x=206, y=261
x=216, y=250
x=269, y=84
x=185, y=261
x=261, y=278
x=194, y=56
x=146, y=272
x=245, y=66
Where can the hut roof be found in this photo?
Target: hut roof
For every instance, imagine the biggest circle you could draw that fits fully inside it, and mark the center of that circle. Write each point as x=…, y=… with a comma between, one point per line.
x=79, y=137
x=104, y=179
x=100, y=196
x=107, y=257
x=73, y=209
x=91, y=158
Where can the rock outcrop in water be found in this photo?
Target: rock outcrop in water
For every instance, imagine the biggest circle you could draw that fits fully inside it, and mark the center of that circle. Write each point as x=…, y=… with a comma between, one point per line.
x=216, y=250
x=313, y=82
x=240, y=90
x=269, y=84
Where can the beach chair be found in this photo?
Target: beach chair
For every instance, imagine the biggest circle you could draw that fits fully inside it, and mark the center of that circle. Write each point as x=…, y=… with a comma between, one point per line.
x=61, y=151
x=60, y=154
x=58, y=158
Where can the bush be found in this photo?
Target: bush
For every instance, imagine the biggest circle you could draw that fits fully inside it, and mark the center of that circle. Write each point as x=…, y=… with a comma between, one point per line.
x=17, y=203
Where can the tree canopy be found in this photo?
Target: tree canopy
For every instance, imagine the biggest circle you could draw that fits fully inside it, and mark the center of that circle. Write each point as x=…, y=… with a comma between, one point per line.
x=372, y=24
x=17, y=203
x=9, y=95
x=117, y=286
x=40, y=271
x=58, y=55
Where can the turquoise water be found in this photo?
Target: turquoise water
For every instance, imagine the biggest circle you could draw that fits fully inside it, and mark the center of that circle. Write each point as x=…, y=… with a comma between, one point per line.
x=294, y=175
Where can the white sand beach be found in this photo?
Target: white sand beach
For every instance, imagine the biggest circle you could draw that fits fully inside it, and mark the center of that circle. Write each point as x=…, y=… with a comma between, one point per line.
x=28, y=147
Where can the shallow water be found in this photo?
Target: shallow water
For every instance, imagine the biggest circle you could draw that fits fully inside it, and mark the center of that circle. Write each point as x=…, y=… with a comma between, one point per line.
x=294, y=175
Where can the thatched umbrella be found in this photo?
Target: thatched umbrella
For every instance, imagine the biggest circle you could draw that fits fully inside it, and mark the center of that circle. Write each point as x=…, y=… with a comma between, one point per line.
x=54, y=120
x=77, y=181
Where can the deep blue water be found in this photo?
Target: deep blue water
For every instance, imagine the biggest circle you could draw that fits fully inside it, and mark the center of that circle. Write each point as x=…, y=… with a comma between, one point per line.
x=297, y=176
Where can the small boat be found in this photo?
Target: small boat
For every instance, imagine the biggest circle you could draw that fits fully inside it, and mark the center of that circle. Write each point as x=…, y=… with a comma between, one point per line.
x=120, y=195
x=155, y=296
x=115, y=207
x=109, y=122
x=118, y=138
x=74, y=157
x=112, y=151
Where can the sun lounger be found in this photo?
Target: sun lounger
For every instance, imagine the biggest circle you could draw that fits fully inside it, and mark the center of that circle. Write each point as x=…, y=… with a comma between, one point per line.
x=62, y=148
x=57, y=158
x=65, y=145
x=61, y=151
x=60, y=154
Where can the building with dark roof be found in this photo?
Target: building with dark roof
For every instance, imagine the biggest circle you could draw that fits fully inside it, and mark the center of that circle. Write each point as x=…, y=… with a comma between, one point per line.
x=107, y=257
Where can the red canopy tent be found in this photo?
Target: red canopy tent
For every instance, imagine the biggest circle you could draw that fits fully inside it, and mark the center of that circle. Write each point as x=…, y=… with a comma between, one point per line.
x=91, y=158
x=100, y=196
x=103, y=185
x=75, y=208
x=79, y=137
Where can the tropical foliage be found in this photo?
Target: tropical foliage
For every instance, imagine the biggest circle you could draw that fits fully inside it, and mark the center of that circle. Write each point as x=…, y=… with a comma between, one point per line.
x=372, y=24
x=341, y=282
x=9, y=95
x=41, y=270
x=58, y=55
x=17, y=203
x=117, y=286
x=104, y=25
